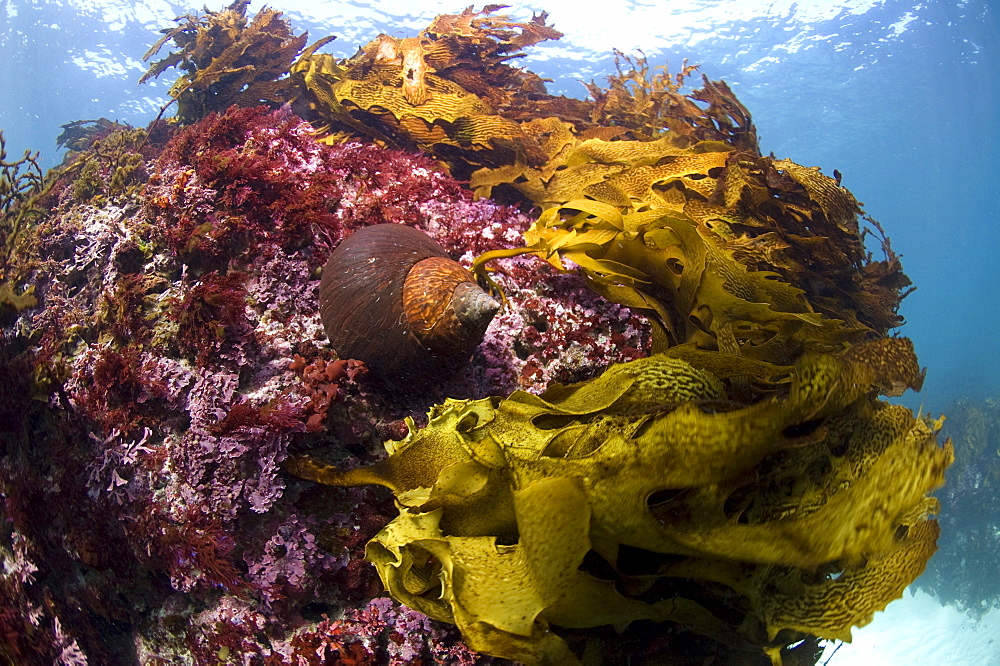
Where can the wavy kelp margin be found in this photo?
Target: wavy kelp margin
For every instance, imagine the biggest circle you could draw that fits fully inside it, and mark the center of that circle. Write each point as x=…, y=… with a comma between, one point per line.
x=744, y=487
x=624, y=499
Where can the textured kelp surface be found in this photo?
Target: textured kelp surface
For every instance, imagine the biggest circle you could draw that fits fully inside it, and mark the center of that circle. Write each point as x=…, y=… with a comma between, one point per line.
x=506, y=507
x=670, y=445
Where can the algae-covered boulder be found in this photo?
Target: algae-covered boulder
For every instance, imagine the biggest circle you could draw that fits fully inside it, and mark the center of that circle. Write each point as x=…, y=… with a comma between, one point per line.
x=673, y=444
x=745, y=483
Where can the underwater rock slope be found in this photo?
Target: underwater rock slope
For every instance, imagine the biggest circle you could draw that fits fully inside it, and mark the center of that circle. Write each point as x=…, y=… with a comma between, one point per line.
x=670, y=441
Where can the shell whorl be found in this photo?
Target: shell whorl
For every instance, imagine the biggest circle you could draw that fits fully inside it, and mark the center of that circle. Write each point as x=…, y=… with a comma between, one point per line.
x=391, y=297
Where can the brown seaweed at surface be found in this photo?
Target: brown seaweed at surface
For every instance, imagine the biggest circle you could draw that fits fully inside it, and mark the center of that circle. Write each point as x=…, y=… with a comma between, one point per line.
x=227, y=60
x=641, y=145
x=448, y=91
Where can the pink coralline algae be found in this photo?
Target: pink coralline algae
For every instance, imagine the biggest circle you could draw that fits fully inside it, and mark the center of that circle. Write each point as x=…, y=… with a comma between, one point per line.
x=290, y=560
x=252, y=180
x=557, y=331
x=383, y=632
x=176, y=358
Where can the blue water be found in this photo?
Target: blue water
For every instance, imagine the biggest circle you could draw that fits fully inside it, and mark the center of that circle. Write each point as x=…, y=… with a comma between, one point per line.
x=903, y=98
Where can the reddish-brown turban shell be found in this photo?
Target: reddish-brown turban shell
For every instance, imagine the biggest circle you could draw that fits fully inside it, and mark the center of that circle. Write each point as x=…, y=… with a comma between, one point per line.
x=391, y=297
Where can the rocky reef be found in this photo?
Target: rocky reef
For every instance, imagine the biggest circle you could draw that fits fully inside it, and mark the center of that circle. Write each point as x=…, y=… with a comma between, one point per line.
x=670, y=440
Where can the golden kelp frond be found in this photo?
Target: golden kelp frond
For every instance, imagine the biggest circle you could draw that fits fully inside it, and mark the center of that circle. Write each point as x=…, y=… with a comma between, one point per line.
x=838, y=206
x=502, y=501
x=373, y=99
x=455, y=72
x=380, y=91
x=801, y=224
x=896, y=363
x=640, y=145
x=649, y=103
x=441, y=92
x=768, y=232
x=227, y=61
x=638, y=174
x=661, y=260
x=830, y=608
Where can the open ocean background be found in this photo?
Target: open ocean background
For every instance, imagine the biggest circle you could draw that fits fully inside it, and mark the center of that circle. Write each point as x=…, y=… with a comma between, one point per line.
x=901, y=97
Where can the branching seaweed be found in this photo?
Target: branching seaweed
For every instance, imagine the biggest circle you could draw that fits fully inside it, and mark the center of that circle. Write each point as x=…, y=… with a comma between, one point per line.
x=20, y=181
x=647, y=102
x=227, y=60
x=112, y=165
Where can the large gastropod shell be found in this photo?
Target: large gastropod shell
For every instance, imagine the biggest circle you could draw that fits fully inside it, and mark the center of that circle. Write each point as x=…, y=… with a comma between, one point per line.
x=391, y=297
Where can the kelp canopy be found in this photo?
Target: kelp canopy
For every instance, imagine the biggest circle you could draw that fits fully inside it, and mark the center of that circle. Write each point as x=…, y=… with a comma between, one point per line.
x=745, y=483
